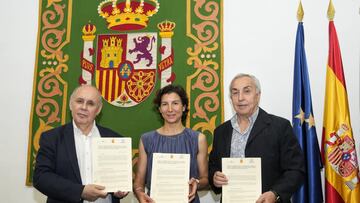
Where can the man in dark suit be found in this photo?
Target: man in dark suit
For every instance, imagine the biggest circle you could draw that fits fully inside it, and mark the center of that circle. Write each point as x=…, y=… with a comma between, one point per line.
x=252, y=132
x=63, y=169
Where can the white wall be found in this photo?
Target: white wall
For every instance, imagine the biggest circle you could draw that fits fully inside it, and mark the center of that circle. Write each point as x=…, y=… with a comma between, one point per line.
x=259, y=38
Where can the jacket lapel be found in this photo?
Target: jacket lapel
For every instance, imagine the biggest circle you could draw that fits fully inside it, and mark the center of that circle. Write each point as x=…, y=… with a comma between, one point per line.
x=227, y=138
x=101, y=131
x=71, y=149
x=261, y=122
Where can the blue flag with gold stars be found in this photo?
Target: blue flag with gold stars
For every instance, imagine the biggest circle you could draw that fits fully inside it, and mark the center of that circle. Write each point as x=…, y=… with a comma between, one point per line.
x=304, y=126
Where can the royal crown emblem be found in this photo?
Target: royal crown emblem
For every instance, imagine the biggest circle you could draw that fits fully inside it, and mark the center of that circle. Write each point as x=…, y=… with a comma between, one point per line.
x=127, y=14
x=166, y=28
x=89, y=32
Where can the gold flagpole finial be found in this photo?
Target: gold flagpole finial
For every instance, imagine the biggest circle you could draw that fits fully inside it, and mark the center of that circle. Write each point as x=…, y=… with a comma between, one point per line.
x=331, y=11
x=300, y=12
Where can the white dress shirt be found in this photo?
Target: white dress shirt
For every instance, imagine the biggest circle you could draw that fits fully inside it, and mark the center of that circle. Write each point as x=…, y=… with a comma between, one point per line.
x=84, y=156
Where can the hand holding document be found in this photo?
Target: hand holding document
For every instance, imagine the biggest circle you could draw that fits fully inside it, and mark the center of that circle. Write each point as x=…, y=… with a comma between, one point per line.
x=112, y=163
x=169, y=178
x=244, y=175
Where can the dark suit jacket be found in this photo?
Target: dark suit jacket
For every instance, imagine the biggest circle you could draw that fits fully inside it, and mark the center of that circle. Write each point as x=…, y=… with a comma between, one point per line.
x=57, y=173
x=272, y=139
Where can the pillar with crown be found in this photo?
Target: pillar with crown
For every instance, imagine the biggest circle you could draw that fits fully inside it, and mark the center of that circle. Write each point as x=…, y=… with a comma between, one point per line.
x=167, y=55
x=87, y=65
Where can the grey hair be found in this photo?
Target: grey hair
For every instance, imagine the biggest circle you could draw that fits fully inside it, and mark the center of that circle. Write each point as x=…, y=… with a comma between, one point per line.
x=255, y=80
x=77, y=89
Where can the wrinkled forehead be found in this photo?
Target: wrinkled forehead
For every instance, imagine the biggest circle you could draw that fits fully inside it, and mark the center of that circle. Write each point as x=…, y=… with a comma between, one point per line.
x=242, y=82
x=87, y=93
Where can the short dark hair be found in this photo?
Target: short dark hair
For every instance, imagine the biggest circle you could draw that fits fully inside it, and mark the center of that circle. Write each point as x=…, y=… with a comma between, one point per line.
x=173, y=89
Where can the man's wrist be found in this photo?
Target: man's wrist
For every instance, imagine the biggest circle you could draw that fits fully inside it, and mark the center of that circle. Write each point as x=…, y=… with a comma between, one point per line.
x=277, y=196
x=139, y=189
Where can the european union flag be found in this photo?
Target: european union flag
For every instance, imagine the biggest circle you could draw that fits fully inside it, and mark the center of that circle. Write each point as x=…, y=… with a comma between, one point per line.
x=304, y=126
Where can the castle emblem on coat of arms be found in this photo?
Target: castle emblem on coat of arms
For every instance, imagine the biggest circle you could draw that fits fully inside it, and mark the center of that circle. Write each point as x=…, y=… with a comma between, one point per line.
x=126, y=63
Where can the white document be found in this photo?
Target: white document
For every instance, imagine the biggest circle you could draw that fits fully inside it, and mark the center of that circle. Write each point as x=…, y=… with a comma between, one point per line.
x=244, y=175
x=170, y=177
x=112, y=163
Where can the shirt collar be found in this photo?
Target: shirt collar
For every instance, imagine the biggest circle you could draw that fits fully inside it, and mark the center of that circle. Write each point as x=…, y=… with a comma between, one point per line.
x=79, y=132
x=252, y=118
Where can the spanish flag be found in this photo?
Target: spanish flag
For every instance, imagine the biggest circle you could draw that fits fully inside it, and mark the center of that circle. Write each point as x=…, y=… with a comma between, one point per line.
x=339, y=154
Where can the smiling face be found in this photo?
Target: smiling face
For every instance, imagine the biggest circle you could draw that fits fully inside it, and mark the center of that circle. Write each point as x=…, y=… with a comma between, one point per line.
x=171, y=108
x=244, y=96
x=85, y=105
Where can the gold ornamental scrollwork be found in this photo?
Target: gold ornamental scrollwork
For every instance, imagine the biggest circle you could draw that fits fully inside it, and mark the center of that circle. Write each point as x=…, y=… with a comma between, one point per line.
x=205, y=31
x=52, y=88
x=50, y=98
